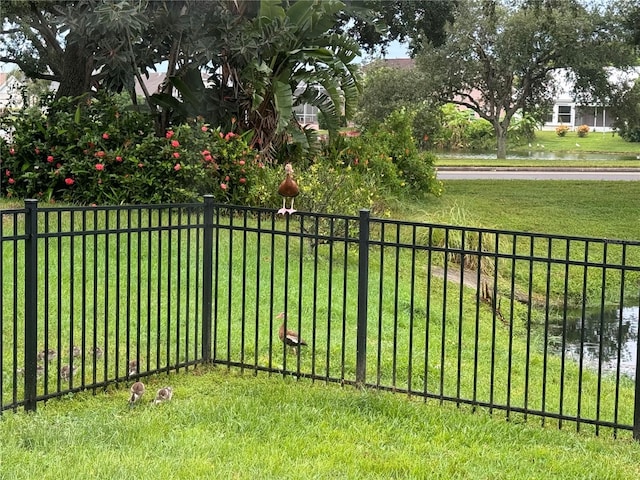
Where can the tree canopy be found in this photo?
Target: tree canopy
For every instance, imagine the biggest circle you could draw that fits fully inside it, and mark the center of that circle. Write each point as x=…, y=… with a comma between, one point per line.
x=500, y=57
x=236, y=63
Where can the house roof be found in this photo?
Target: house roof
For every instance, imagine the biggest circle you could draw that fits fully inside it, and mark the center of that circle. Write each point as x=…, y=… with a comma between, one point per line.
x=151, y=81
x=400, y=63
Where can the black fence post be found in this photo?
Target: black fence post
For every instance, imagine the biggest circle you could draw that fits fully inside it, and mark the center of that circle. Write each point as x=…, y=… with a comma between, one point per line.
x=30, y=304
x=363, y=297
x=207, y=277
x=636, y=403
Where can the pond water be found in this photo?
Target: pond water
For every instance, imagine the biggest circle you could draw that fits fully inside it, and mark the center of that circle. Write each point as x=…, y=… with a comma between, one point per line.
x=541, y=155
x=600, y=334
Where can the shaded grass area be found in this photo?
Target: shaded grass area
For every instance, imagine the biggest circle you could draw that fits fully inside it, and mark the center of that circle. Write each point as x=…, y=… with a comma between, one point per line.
x=223, y=425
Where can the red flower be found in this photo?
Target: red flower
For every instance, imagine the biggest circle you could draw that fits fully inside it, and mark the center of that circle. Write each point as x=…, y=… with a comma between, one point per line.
x=12, y=181
x=205, y=153
x=7, y=172
x=105, y=135
x=69, y=181
x=118, y=158
x=229, y=135
x=226, y=179
x=100, y=153
x=241, y=162
x=177, y=167
x=140, y=165
x=208, y=158
x=50, y=158
x=242, y=180
x=169, y=134
x=176, y=155
x=223, y=186
x=12, y=151
x=100, y=166
x=175, y=143
x=204, y=128
x=37, y=151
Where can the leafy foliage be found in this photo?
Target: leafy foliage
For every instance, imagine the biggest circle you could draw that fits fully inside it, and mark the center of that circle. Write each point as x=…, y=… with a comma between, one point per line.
x=103, y=153
x=498, y=58
x=627, y=122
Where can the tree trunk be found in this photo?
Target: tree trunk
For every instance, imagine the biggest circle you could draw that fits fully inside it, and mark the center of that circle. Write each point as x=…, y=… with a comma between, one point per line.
x=77, y=68
x=501, y=140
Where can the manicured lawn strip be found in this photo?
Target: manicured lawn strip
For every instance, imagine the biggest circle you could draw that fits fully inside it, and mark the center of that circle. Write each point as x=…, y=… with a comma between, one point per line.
x=611, y=147
x=582, y=208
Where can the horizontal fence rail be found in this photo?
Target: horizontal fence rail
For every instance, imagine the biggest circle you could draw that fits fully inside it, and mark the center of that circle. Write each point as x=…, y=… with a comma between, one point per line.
x=527, y=324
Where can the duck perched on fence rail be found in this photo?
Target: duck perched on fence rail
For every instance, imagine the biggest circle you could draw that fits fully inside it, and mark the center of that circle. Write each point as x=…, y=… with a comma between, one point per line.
x=288, y=189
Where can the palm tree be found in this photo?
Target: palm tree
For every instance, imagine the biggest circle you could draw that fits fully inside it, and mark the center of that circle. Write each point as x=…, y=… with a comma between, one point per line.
x=266, y=62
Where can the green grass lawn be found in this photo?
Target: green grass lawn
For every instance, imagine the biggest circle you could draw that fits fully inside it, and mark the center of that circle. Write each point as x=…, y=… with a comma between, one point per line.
x=589, y=208
x=221, y=425
x=232, y=426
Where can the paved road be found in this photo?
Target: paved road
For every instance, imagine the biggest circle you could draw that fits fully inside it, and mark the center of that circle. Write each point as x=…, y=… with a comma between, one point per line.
x=448, y=173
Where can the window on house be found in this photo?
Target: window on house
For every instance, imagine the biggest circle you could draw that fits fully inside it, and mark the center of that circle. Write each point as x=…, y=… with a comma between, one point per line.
x=564, y=114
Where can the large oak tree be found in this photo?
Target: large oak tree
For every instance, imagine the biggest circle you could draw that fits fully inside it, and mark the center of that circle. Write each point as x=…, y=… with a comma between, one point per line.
x=504, y=56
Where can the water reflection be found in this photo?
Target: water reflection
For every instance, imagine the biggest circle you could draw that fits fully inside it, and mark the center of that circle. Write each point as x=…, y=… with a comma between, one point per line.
x=619, y=327
x=539, y=155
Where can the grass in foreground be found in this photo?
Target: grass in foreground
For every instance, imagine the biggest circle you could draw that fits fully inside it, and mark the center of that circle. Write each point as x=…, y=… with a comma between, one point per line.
x=222, y=425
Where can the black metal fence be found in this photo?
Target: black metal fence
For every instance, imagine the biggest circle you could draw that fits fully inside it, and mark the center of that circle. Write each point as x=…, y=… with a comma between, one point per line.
x=523, y=323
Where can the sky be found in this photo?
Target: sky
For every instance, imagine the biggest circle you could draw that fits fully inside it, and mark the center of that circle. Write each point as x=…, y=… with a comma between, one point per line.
x=395, y=50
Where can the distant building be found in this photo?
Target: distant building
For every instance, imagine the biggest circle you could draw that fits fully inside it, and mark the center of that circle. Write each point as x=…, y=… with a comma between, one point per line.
x=599, y=117
x=10, y=92
x=566, y=110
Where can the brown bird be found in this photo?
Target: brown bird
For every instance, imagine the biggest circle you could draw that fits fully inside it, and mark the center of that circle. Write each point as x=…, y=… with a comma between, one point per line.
x=291, y=337
x=49, y=355
x=66, y=372
x=164, y=395
x=288, y=189
x=137, y=390
x=133, y=367
x=77, y=351
x=97, y=352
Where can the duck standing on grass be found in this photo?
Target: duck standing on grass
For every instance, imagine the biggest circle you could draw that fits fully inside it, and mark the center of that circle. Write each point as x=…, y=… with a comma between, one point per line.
x=66, y=372
x=137, y=390
x=288, y=189
x=290, y=338
x=133, y=368
x=164, y=395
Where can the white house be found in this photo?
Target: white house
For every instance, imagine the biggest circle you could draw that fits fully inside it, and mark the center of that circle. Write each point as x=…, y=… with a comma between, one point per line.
x=10, y=94
x=565, y=111
x=598, y=117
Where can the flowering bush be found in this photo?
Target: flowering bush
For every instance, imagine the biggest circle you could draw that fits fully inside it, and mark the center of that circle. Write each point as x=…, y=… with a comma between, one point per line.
x=582, y=130
x=561, y=130
x=102, y=153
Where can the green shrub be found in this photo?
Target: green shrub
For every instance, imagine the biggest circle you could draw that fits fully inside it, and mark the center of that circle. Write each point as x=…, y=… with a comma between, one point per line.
x=103, y=153
x=387, y=154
